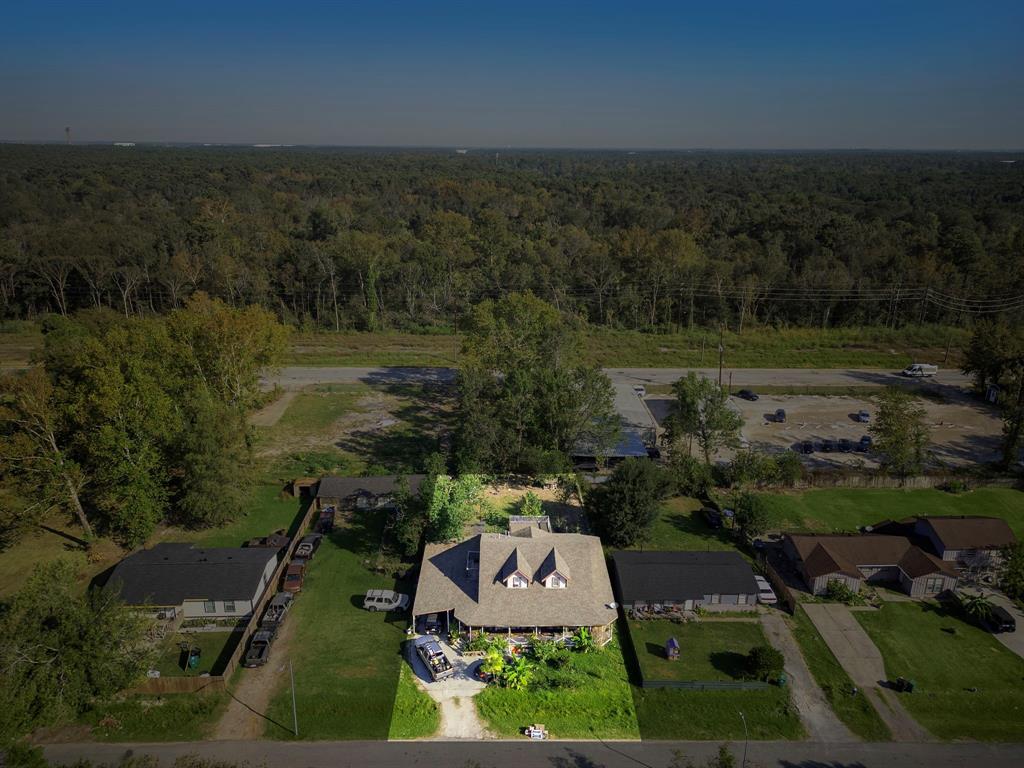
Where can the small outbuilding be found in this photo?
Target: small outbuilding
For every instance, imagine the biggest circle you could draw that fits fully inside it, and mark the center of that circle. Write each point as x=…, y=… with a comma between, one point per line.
x=346, y=493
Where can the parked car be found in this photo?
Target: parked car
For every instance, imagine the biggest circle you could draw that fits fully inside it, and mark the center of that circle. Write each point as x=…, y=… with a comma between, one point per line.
x=325, y=523
x=999, y=620
x=309, y=545
x=712, y=517
x=385, y=600
x=747, y=394
x=918, y=370
x=863, y=417
x=276, y=610
x=807, y=446
x=276, y=540
x=780, y=415
x=259, y=649
x=765, y=593
x=865, y=444
x=294, y=576
x=845, y=445
x=432, y=624
x=433, y=656
x=828, y=445
x=639, y=390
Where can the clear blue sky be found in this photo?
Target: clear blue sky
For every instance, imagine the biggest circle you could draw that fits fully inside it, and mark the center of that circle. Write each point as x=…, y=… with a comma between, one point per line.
x=763, y=74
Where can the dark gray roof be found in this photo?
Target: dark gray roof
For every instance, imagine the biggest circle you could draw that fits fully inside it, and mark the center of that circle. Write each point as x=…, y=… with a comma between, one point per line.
x=516, y=563
x=678, y=576
x=554, y=562
x=344, y=487
x=169, y=574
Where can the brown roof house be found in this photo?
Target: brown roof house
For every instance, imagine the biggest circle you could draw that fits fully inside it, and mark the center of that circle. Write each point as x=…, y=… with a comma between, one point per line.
x=530, y=581
x=873, y=558
x=967, y=541
x=345, y=493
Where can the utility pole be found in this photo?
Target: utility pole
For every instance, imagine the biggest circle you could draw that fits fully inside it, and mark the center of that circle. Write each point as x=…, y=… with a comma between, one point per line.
x=746, y=739
x=295, y=712
x=721, y=354
x=701, y=351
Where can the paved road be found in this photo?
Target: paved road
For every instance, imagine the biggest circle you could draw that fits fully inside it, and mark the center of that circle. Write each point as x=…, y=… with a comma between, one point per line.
x=861, y=659
x=552, y=754
x=817, y=716
x=299, y=376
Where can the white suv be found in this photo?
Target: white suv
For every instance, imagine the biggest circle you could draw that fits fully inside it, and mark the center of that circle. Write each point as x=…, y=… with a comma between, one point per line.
x=765, y=593
x=385, y=600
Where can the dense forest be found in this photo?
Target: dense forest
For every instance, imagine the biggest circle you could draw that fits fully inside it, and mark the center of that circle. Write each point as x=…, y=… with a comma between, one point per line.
x=346, y=239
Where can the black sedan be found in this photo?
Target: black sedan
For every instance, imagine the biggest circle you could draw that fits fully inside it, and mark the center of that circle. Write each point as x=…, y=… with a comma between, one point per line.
x=806, y=446
x=747, y=394
x=828, y=445
x=845, y=446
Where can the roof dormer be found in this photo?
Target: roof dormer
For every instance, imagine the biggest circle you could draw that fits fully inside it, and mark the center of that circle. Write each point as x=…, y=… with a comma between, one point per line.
x=515, y=573
x=554, y=571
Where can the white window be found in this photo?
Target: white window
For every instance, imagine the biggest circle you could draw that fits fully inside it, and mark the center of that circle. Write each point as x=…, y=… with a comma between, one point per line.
x=556, y=581
x=229, y=606
x=210, y=606
x=516, y=581
x=741, y=600
x=716, y=599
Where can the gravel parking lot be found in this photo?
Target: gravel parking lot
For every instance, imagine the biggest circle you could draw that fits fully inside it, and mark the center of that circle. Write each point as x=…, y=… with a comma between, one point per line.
x=963, y=430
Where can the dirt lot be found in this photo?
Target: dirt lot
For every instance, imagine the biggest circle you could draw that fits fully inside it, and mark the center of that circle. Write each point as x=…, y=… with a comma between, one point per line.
x=963, y=430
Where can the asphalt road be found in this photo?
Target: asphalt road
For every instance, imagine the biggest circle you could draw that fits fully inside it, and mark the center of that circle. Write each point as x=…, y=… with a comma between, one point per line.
x=551, y=754
x=301, y=376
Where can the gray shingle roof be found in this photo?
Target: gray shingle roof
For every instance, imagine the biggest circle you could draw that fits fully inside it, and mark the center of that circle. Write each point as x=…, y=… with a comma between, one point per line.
x=678, y=576
x=552, y=563
x=516, y=563
x=169, y=574
x=464, y=578
x=344, y=487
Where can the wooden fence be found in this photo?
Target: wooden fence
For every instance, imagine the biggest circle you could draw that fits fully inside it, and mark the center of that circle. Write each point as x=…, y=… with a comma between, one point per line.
x=782, y=590
x=707, y=685
x=213, y=683
x=840, y=479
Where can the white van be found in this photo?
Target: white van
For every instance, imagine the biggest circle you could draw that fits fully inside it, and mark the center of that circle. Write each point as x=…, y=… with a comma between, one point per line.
x=920, y=369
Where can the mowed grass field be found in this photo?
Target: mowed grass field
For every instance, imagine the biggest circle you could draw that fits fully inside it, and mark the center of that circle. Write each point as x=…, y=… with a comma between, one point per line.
x=347, y=660
x=854, y=710
x=968, y=685
x=849, y=508
x=680, y=525
x=755, y=348
x=709, y=650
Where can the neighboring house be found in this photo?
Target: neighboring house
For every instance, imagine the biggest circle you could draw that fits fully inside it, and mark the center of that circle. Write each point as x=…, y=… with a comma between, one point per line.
x=684, y=580
x=178, y=578
x=362, y=492
x=873, y=558
x=531, y=581
x=968, y=541
x=518, y=522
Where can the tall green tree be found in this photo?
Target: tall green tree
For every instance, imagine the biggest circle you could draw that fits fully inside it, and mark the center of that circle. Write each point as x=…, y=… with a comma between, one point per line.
x=61, y=650
x=527, y=401
x=625, y=506
x=900, y=433
x=701, y=412
x=452, y=504
x=33, y=452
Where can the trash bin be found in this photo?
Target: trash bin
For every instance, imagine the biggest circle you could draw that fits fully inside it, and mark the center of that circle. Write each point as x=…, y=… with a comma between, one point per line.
x=781, y=681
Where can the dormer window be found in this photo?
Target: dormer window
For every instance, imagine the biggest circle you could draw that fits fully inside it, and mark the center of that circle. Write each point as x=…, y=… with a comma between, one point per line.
x=555, y=581
x=517, y=581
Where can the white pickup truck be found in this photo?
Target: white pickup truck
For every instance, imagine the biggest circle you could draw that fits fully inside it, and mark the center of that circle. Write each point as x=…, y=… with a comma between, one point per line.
x=920, y=369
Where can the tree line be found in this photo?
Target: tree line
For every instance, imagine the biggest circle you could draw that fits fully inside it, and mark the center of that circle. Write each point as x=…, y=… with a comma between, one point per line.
x=128, y=422
x=413, y=240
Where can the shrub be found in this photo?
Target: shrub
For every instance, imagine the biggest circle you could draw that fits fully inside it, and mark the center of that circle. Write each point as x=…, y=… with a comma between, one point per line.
x=765, y=662
x=530, y=505
x=583, y=641
x=839, y=592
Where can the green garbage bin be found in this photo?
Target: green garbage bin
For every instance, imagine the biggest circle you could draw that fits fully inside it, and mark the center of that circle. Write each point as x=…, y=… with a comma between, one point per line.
x=781, y=682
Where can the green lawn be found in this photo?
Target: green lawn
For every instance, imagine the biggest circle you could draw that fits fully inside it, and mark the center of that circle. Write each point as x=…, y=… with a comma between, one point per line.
x=174, y=717
x=666, y=713
x=590, y=698
x=849, y=508
x=216, y=648
x=709, y=650
x=681, y=526
x=757, y=347
x=415, y=715
x=854, y=710
x=946, y=658
x=346, y=659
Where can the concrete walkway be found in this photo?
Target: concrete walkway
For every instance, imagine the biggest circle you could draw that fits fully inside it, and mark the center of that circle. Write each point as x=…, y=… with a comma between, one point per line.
x=863, y=662
x=816, y=715
x=454, y=696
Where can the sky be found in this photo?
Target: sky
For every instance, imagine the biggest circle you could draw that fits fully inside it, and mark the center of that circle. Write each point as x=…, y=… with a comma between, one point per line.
x=773, y=74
